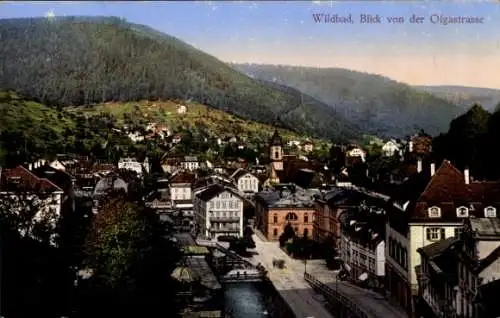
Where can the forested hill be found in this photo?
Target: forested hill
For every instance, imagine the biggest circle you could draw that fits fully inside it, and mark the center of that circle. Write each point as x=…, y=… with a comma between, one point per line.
x=378, y=104
x=82, y=61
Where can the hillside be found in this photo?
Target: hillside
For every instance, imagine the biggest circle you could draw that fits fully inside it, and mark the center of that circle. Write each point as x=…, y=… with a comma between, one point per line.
x=377, y=104
x=30, y=130
x=75, y=61
x=212, y=123
x=465, y=96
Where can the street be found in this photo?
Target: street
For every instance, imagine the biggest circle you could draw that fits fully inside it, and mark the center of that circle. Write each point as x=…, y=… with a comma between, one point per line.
x=289, y=282
x=302, y=299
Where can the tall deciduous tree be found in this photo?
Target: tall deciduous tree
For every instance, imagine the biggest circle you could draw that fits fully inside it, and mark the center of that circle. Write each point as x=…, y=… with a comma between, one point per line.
x=130, y=260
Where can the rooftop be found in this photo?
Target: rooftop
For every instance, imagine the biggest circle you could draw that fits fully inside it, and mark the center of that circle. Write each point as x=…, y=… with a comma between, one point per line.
x=485, y=226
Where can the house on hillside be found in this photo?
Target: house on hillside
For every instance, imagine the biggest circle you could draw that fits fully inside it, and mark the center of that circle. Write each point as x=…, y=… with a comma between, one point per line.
x=181, y=109
x=390, y=148
x=354, y=154
x=308, y=146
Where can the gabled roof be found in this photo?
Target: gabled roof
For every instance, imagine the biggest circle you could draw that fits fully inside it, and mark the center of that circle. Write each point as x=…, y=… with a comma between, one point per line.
x=240, y=172
x=183, y=177
x=215, y=189
x=448, y=190
x=432, y=250
x=60, y=178
x=22, y=180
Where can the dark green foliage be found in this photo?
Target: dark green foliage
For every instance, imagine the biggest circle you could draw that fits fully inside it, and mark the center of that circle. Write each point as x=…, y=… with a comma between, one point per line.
x=377, y=104
x=470, y=142
x=81, y=61
x=329, y=253
x=288, y=233
x=30, y=131
x=131, y=261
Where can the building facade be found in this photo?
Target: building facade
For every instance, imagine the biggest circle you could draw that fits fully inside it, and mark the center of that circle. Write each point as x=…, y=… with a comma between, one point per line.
x=245, y=181
x=218, y=211
x=431, y=206
x=274, y=210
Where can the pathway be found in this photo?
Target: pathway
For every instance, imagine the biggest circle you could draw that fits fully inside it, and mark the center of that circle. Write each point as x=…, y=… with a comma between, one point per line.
x=289, y=282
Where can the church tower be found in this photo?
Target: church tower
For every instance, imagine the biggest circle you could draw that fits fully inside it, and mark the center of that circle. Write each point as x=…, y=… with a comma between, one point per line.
x=276, y=151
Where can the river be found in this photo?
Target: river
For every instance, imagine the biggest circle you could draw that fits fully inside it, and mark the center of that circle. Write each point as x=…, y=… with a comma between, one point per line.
x=254, y=300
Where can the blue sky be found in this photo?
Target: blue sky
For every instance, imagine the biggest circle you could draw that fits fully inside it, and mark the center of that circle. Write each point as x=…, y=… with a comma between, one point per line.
x=280, y=32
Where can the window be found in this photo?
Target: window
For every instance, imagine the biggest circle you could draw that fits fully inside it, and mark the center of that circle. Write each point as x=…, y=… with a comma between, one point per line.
x=306, y=218
x=291, y=217
x=217, y=204
x=435, y=233
x=458, y=230
x=490, y=212
x=306, y=232
x=276, y=154
x=275, y=232
x=434, y=212
x=275, y=219
x=462, y=212
x=211, y=204
x=223, y=204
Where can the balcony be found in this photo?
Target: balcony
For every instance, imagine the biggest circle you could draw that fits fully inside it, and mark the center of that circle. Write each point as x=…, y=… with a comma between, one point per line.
x=224, y=219
x=225, y=230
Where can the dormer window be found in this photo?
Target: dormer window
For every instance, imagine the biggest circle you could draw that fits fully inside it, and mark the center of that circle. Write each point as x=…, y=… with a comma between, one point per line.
x=490, y=212
x=434, y=212
x=462, y=212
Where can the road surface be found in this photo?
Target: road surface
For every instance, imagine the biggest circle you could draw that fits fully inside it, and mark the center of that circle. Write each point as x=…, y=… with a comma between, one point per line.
x=289, y=282
x=372, y=303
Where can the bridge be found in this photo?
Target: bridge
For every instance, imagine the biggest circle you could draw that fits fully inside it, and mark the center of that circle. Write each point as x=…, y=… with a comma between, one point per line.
x=242, y=270
x=239, y=276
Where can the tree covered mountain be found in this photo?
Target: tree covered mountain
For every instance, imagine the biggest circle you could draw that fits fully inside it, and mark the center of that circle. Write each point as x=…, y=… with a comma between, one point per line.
x=465, y=96
x=378, y=104
x=82, y=61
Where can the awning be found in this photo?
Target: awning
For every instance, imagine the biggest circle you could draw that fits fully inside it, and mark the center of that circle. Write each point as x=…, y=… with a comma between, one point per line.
x=363, y=277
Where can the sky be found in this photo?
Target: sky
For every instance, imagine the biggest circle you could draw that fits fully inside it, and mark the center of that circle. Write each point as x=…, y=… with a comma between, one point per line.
x=285, y=32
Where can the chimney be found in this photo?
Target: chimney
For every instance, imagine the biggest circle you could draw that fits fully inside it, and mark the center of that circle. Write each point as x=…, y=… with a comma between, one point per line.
x=466, y=176
x=410, y=146
x=419, y=165
x=433, y=169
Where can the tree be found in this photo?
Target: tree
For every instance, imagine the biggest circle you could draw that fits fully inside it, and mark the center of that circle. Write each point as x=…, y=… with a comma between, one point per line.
x=129, y=258
x=288, y=233
x=35, y=273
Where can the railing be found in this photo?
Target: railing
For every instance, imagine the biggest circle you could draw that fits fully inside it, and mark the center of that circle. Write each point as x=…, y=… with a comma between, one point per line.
x=332, y=295
x=240, y=277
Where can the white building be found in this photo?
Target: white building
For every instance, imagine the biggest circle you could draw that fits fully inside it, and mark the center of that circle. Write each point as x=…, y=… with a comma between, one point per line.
x=190, y=163
x=181, y=193
x=218, y=211
x=130, y=164
x=431, y=207
x=135, y=136
x=21, y=190
x=181, y=109
x=390, y=148
x=362, y=246
x=245, y=181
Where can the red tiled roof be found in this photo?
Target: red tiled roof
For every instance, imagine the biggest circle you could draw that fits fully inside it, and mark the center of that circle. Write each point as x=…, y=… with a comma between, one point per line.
x=447, y=189
x=21, y=179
